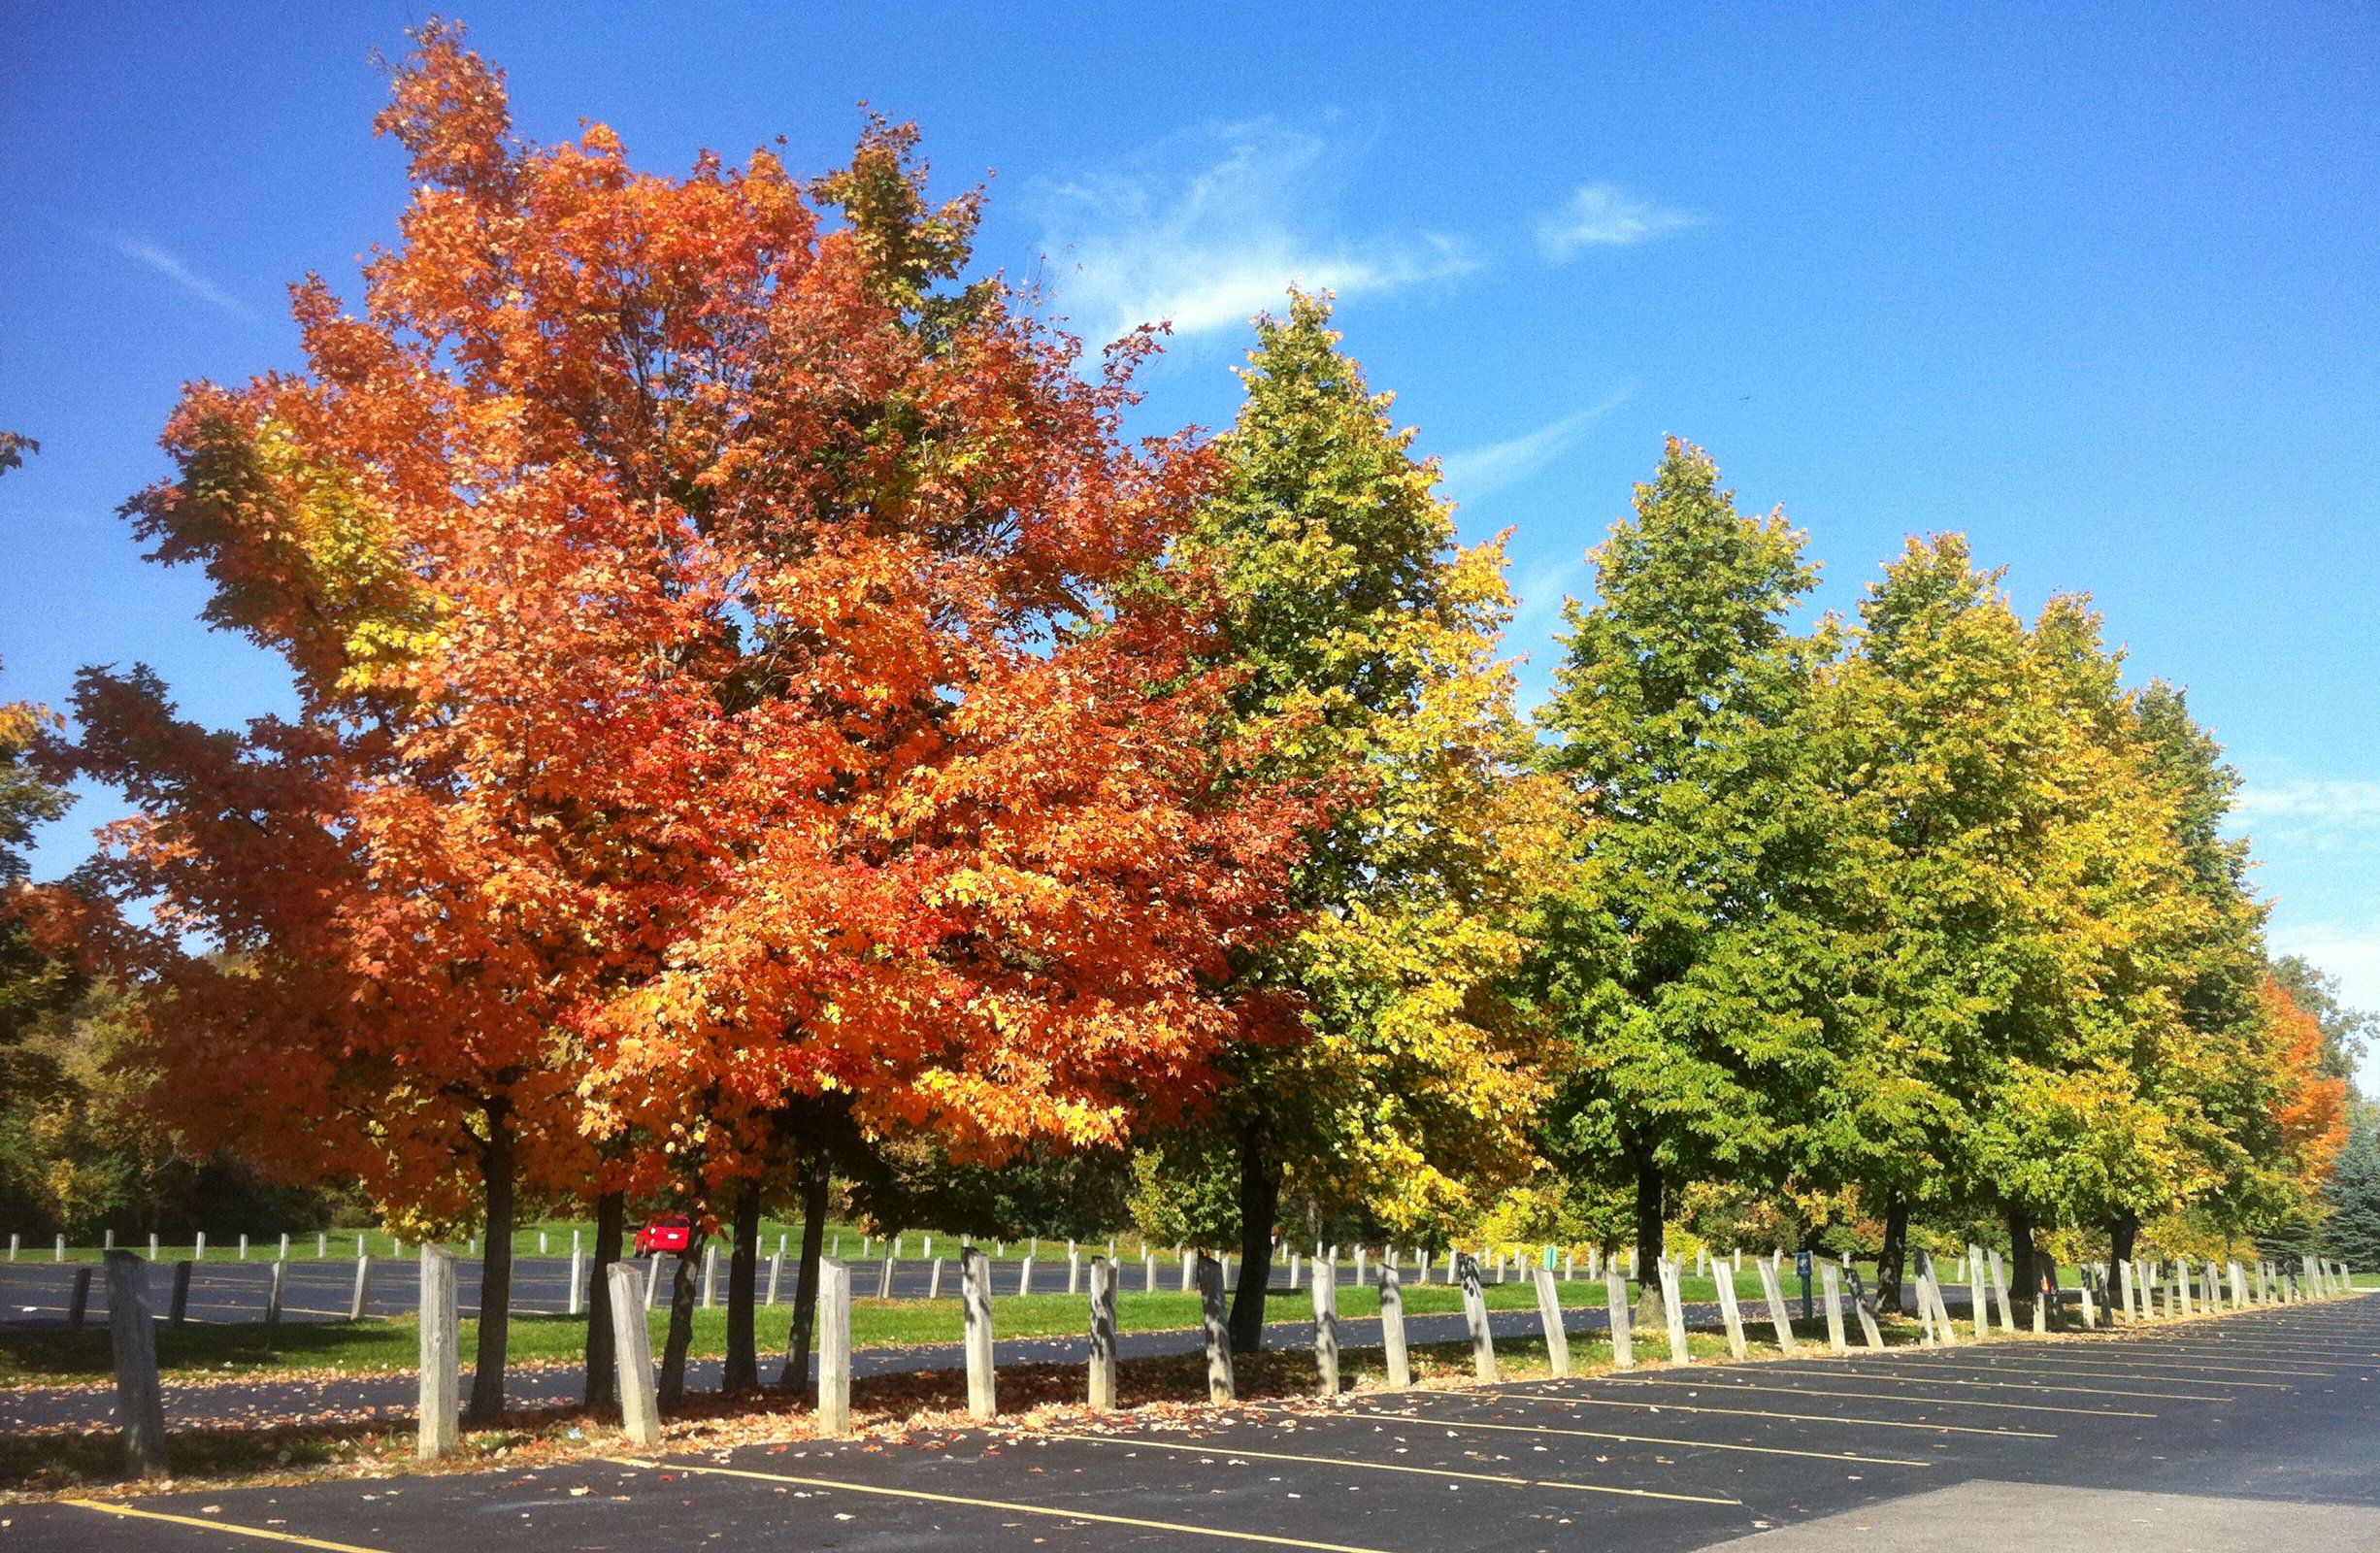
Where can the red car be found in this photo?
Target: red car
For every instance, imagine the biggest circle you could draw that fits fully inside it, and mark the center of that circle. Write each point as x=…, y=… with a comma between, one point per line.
x=671, y=1232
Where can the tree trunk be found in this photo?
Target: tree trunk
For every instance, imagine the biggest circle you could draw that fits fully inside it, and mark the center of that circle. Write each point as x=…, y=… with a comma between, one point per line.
x=2020, y=1264
x=495, y=1269
x=795, y=1376
x=603, y=1378
x=1260, y=1199
x=2123, y=1237
x=1892, y=1259
x=1652, y=1312
x=742, y=1267
x=682, y=1324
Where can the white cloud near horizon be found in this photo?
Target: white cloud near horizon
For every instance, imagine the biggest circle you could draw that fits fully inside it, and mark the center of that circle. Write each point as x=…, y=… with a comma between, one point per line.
x=1477, y=471
x=141, y=251
x=2335, y=804
x=1606, y=216
x=1212, y=225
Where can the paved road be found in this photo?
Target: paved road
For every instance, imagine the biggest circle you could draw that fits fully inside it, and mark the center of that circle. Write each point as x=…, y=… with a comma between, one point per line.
x=2190, y=1438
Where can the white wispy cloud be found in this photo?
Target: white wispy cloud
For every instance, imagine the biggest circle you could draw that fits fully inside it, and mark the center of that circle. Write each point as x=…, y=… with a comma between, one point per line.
x=1606, y=216
x=2332, y=804
x=2349, y=952
x=1480, y=469
x=141, y=251
x=1212, y=225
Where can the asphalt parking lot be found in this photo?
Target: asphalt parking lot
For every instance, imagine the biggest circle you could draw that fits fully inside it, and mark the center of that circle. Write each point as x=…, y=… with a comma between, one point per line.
x=2216, y=1433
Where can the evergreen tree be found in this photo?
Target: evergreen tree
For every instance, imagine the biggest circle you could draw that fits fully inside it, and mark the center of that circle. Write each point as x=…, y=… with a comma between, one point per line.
x=2352, y=1232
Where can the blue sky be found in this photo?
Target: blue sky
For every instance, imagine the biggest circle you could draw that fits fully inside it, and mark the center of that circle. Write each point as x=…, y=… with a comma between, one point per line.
x=2102, y=293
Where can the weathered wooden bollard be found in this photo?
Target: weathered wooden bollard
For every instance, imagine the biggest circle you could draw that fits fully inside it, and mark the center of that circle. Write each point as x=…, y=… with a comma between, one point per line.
x=1778, y=1317
x=1189, y=1270
x=273, y=1290
x=835, y=1348
x=1103, y=1279
x=933, y=1279
x=181, y=1308
x=359, y=1303
x=1617, y=1313
x=1074, y=1270
x=1293, y=1271
x=79, y=1304
x=884, y=1280
x=1397, y=1363
x=577, y=1306
x=1730, y=1314
x=2089, y=1310
x=711, y=1276
x=1831, y=1289
x=1148, y=1271
x=653, y=1279
x=1024, y=1275
x=976, y=1302
x=1326, y=1326
x=140, y=1405
x=2128, y=1302
x=632, y=1348
x=1672, y=1275
x=1219, y=1385
x=1549, y=1316
x=1475, y=1318
x=439, y=1430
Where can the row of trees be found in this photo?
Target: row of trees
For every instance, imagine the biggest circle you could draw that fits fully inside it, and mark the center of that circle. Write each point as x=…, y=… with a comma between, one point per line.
x=760, y=720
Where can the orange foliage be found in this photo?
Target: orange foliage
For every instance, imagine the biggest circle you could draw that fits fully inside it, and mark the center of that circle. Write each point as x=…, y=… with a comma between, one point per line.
x=2312, y=1110
x=729, y=670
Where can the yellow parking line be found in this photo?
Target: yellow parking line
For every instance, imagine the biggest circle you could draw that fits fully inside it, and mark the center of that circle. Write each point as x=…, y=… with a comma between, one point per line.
x=1436, y=1422
x=1798, y=1418
x=1906, y=1402
x=1009, y=1506
x=1139, y=1440
x=2014, y=1385
x=209, y=1522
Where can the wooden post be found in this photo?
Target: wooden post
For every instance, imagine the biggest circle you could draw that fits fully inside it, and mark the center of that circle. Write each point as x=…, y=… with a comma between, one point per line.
x=933, y=1279
x=439, y=1430
x=139, y=1407
x=80, y=1302
x=652, y=1278
x=1549, y=1316
x=1623, y=1338
x=711, y=1274
x=632, y=1348
x=360, y=1304
x=1074, y=1270
x=1103, y=1279
x=1392, y=1327
x=976, y=1296
x=1475, y=1316
x=1777, y=1316
x=1868, y=1329
x=1326, y=1325
x=181, y=1310
x=272, y=1300
x=1148, y=1268
x=2089, y=1310
x=777, y=1275
x=1830, y=1288
x=835, y=1348
x=884, y=1280
x=1730, y=1314
x=576, y=1299
x=1220, y=1387
x=1673, y=1306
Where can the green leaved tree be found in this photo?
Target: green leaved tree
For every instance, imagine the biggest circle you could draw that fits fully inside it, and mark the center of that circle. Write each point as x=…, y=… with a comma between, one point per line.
x=1367, y=639
x=1672, y=946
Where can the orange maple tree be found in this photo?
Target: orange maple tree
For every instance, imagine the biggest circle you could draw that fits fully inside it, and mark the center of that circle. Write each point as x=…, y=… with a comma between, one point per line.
x=2310, y=1107
x=733, y=672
